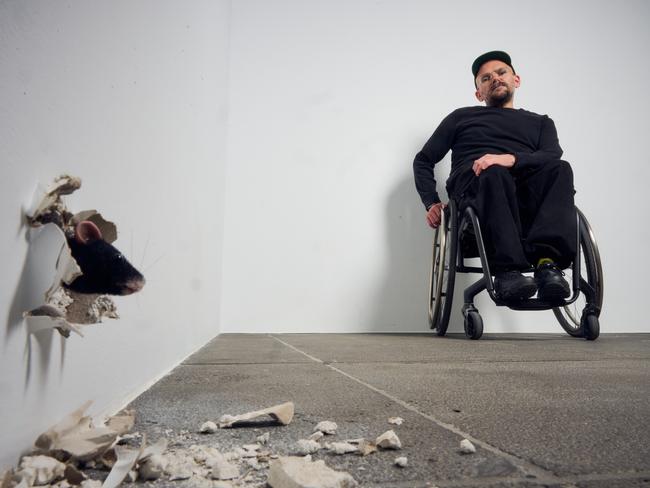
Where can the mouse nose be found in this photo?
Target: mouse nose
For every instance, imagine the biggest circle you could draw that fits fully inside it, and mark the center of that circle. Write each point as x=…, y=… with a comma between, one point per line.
x=134, y=285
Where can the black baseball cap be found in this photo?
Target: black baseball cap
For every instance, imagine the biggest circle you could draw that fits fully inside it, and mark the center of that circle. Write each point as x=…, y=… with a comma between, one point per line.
x=490, y=56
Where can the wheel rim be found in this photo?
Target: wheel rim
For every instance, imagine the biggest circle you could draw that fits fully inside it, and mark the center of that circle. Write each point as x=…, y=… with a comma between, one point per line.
x=570, y=316
x=436, y=280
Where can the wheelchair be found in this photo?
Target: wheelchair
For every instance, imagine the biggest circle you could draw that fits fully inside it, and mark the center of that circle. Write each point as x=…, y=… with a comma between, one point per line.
x=458, y=238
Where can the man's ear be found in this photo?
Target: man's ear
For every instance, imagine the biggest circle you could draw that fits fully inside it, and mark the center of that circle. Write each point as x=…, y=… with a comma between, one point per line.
x=478, y=96
x=517, y=81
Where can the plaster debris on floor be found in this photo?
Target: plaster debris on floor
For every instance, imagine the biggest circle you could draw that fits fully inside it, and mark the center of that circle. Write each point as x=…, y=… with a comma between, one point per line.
x=77, y=453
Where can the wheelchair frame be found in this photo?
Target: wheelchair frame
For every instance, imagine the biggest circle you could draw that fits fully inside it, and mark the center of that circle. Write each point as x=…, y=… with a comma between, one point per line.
x=447, y=259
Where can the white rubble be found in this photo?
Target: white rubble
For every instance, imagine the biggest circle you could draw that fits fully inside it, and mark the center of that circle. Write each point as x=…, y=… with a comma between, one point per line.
x=307, y=446
x=341, y=447
x=396, y=420
x=221, y=469
x=208, y=427
x=296, y=472
x=40, y=470
x=264, y=438
x=326, y=427
x=153, y=467
x=388, y=440
x=91, y=484
x=77, y=436
x=401, y=461
x=283, y=413
x=466, y=447
x=125, y=462
x=316, y=436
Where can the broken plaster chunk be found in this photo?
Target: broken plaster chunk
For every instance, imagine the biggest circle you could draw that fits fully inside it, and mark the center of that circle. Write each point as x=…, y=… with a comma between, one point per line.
x=5, y=478
x=124, y=464
x=180, y=465
x=77, y=436
x=124, y=439
x=366, y=447
x=326, y=427
x=466, y=447
x=264, y=438
x=40, y=470
x=91, y=484
x=36, y=323
x=316, y=436
x=401, y=461
x=121, y=422
x=307, y=446
x=389, y=440
x=222, y=469
x=47, y=205
x=153, y=467
x=208, y=427
x=341, y=447
x=90, y=308
x=283, y=413
x=296, y=472
x=395, y=420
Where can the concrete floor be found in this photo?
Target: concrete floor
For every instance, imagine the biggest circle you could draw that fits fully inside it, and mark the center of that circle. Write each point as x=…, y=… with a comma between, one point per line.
x=543, y=410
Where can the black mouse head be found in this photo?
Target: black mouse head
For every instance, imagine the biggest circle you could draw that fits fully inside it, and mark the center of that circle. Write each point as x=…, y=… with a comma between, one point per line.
x=105, y=269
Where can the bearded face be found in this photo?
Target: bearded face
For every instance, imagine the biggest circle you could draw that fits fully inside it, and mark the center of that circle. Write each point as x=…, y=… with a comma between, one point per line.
x=496, y=83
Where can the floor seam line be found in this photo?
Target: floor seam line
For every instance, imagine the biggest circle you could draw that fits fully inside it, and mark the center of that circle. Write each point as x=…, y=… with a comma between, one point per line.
x=526, y=466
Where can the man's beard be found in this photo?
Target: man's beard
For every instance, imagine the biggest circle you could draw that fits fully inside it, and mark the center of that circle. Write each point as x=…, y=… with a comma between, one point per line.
x=499, y=99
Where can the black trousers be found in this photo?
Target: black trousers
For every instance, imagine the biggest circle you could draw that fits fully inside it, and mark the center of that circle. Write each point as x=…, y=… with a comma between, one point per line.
x=525, y=214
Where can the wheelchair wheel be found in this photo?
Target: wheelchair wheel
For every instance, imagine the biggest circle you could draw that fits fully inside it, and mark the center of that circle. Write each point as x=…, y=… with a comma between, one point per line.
x=443, y=271
x=580, y=319
x=590, y=326
x=473, y=325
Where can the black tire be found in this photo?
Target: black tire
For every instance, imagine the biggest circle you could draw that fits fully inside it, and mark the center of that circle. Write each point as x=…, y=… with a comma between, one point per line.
x=591, y=275
x=473, y=325
x=443, y=271
x=590, y=326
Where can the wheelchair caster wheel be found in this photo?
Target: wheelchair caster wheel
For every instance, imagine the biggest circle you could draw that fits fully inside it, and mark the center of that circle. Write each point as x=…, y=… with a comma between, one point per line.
x=590, y=326
x=473, y=325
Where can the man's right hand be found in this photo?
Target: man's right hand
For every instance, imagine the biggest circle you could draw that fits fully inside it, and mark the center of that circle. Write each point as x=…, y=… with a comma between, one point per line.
x=434, y=213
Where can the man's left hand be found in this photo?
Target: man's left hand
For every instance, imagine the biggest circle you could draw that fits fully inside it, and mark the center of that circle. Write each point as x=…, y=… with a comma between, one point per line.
x=484, y=162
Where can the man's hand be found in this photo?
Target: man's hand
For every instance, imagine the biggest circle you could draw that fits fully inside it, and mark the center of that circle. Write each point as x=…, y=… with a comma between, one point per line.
x=484, y=162
x=433, y=215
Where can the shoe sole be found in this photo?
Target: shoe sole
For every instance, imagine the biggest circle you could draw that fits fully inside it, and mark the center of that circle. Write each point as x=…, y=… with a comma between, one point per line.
x=553, y=293
x=522, y=293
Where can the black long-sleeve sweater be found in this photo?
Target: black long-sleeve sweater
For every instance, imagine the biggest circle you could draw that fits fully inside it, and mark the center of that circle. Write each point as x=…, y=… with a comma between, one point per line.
x=472, y=132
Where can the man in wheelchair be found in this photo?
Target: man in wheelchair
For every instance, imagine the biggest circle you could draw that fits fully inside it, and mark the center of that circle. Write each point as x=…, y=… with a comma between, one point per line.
x=506, y=165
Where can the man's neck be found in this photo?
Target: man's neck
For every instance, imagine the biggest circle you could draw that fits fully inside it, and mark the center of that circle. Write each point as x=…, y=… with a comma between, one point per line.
x=507, y=105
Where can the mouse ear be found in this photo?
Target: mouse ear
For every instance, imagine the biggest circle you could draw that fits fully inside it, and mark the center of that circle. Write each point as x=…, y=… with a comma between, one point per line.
x=86, y=232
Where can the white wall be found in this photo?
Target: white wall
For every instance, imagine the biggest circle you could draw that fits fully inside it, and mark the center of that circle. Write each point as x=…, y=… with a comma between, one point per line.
x=330, y=101
x=131, y=97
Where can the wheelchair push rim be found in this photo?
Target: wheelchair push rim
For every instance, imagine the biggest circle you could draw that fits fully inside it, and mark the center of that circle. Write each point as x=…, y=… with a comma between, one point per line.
x=443, y=271
x=573, y=317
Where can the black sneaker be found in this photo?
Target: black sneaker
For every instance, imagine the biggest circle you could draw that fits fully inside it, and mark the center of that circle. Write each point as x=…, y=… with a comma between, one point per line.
x=551, y=287
x=512, y=285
